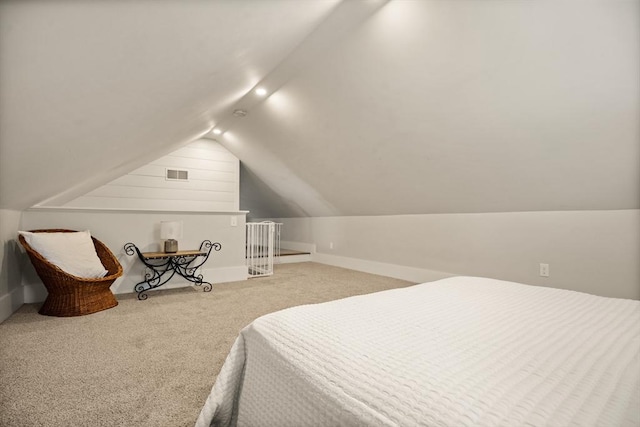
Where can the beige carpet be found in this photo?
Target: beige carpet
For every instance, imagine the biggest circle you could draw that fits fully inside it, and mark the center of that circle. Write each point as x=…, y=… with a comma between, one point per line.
x=147, y=363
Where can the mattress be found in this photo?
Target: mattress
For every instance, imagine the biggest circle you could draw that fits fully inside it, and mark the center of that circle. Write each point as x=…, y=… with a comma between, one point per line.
x=462, y=351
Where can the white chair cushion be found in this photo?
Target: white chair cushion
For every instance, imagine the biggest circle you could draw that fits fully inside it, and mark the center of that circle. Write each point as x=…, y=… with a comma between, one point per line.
x=72, y=252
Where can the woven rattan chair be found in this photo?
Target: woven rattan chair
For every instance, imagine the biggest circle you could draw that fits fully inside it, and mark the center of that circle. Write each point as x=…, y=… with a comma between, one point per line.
x=70, y=295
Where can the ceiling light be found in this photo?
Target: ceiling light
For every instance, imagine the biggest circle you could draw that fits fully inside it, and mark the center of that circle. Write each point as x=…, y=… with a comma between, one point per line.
x=217, y=131
x=261, y=91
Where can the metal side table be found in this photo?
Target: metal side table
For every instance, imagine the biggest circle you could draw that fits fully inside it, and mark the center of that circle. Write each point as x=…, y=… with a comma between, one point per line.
x=161, y=266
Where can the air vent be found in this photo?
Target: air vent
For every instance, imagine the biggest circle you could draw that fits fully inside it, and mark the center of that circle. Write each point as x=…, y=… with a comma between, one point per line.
x=177, y=175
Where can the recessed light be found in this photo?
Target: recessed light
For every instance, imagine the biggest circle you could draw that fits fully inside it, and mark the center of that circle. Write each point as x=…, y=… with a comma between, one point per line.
x=261, y=91
x=217, y=131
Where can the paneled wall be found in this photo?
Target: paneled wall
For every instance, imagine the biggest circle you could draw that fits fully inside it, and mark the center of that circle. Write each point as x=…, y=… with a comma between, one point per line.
x=130, y=209
x=213, y=183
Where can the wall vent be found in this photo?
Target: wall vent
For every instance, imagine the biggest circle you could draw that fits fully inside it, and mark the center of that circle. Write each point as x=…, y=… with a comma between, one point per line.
x=177, y=175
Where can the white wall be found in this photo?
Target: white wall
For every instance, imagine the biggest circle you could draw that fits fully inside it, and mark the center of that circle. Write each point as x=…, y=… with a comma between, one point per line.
x=116, y=228
x=590, y=251
x=11, y=297
x=213, y=183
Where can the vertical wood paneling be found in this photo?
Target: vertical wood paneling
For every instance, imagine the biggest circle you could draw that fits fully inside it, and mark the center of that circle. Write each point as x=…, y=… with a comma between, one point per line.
x=213, y=183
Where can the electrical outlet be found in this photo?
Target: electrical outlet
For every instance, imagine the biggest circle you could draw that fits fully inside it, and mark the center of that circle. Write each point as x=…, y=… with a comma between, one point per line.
x=330, y=245
x=234, y=221
x=544, y=270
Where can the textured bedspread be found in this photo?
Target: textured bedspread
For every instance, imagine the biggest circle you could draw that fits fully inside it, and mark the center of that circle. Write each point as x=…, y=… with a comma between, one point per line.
x=457, y=352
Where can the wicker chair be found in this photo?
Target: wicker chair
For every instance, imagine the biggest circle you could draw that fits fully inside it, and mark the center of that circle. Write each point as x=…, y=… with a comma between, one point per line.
x=70, y=295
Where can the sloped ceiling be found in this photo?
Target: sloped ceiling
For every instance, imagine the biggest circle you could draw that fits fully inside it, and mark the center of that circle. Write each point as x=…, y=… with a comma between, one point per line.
x=395, y=107
x=460, y=106
x=91, y=90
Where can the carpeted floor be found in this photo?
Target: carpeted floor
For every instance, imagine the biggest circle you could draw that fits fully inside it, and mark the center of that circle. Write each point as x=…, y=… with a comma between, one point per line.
x=147, y=363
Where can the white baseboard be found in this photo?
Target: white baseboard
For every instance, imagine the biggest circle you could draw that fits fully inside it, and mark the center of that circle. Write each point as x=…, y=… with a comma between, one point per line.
x=36, y=292
x=298, y=246
x=10, y=302
x=290, y=259
x=411, y=274
x=211, y=275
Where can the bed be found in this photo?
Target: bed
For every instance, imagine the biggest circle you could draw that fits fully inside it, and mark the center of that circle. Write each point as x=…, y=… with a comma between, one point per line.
x=463, y=351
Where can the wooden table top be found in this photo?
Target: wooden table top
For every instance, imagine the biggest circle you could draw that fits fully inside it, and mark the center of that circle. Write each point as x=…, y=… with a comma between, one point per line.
x=157, y=255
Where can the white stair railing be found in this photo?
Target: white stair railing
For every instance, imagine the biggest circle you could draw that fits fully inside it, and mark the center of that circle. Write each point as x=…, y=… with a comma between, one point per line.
x=263, y=247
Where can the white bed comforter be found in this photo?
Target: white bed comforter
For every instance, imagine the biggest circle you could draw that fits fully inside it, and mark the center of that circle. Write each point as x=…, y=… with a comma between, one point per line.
x=457, y=352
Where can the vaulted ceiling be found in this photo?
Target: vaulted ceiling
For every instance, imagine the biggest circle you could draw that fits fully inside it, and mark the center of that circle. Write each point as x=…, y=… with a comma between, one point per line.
x=91, y=90
x=373, y=107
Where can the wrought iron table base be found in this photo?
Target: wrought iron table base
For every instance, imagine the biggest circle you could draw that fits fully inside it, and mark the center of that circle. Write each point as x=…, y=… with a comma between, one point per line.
x=161, y=267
